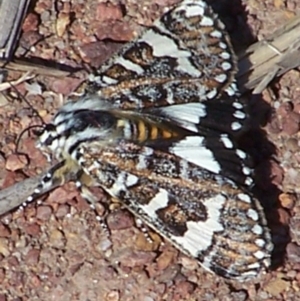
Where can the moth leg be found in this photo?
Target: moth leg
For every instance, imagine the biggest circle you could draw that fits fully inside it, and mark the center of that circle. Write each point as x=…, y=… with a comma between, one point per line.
x=83, y=183
x=144, y=229
x=54, y=177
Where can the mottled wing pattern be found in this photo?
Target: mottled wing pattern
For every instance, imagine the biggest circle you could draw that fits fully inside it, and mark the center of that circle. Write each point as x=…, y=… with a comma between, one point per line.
x=186, y=56
x=205, y=215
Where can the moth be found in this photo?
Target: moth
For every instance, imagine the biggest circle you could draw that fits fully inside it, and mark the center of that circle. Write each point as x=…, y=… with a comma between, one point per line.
x=156, y=128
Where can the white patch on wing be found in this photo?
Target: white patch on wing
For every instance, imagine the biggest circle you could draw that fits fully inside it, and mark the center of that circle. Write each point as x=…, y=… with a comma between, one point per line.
x=260, y=242
x=199, y=235
x=244, y=197
x=239, y=114
x=170, y=95
x=159, y=201
x=192, y=8
x=257, y=229
x=216, y=34
x=237, y=105
x=241, y=154
x=225, y=55
x=127, y=64
x=185, y=66
x=223, y=45
x=221, y=78
x=206, y=21
x=226, y=141
x=234, y=87
x=260, y=254
x=249, y=181
x=131, y=180
x=252, y=214
x=163, y=45
x=193, y=150
x=212, y=94
x=144, y=157
x=247, y=171
x=184, y=169
x=108, y=80
x=142, y=162
x=123, y=181
x=187, y=115
x=231, y=90
x=226, y=66
x=255, y=265
x=236, y=126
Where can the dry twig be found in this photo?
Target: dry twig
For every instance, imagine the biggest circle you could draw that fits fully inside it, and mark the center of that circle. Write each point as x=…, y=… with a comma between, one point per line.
x=24, y=66
x=13, y=196
x=6, y=85
x=263, y=61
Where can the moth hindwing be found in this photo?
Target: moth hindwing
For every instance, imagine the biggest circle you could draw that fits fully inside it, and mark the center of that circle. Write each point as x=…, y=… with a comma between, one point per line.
x=156, y=128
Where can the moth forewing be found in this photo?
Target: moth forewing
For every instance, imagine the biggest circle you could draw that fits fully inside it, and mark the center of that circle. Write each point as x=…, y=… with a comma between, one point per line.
x=205, y=215
x=184, y=55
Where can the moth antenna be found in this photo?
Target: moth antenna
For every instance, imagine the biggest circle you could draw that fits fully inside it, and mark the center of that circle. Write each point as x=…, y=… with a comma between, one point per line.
x=20, y=137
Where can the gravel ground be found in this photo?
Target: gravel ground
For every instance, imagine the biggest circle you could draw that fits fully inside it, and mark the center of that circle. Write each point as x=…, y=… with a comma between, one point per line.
x=56, y=250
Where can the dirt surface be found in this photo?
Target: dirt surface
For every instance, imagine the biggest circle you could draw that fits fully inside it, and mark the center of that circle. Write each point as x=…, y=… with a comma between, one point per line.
x=56, y=249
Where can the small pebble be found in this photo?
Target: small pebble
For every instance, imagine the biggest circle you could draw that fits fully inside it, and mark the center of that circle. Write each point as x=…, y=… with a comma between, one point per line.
x=44, y=213
x=287, y=200
x=293, y=253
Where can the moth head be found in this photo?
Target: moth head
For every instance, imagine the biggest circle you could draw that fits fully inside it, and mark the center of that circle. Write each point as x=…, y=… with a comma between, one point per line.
x=45, y=133
x=69, y=129
x=47, y=139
